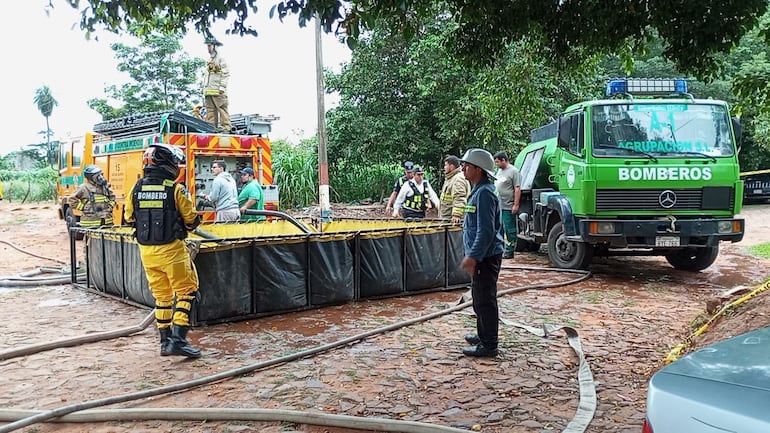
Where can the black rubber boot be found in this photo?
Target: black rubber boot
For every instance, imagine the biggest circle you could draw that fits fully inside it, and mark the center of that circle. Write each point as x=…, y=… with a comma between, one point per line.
x=472, y=339
x=480, y=350
x=178, y=344
x=165, y=341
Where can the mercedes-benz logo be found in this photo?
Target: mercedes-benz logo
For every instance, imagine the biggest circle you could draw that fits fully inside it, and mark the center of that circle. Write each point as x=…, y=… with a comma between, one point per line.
x=667, y=199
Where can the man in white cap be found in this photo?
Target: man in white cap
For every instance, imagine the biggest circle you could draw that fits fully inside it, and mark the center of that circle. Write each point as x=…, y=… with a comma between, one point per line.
x=215, y=91
x=415, y=197
x=483, y=244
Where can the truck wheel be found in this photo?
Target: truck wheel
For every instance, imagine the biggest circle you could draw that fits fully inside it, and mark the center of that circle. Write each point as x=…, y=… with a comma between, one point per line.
x=693, y=259
x=567, y=254
x=72, y=221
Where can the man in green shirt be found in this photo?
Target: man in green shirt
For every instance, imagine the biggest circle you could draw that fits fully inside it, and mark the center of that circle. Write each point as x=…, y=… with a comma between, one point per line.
x=250, y=196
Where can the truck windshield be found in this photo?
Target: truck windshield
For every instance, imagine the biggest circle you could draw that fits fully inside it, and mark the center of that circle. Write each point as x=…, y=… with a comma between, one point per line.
x=664, y=130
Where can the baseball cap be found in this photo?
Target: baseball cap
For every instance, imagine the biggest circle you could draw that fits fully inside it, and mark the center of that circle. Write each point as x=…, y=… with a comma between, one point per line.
x=408, y=165
x=247, y=170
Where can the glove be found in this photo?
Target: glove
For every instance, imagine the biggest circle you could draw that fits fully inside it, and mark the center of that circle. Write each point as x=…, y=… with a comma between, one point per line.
x=196, y=222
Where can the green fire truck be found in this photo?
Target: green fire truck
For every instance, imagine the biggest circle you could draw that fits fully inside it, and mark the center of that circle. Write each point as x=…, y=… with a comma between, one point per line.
x=649, y=170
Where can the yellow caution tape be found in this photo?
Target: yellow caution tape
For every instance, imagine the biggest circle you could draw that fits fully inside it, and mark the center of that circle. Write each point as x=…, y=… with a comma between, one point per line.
x=749, y=173
x=673, y=355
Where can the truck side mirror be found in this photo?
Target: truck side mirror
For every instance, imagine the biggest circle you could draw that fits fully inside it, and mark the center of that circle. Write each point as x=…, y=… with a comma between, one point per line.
x=738, y=131
x=565, y=125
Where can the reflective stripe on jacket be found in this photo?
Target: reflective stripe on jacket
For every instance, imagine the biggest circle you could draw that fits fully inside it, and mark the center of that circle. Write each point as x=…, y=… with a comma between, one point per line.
x=419, y=200
x=454, y=195
x=95, y=204
x=216, y=76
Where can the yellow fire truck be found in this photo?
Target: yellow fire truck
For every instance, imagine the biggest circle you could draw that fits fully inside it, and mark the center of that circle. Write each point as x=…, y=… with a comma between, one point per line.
x=116, y=146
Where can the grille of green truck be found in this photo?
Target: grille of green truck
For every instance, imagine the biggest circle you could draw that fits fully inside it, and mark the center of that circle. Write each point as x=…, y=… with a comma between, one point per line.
x=658, y=200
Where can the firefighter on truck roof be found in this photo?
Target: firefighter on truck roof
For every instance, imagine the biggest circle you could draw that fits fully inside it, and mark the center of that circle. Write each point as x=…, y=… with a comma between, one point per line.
x=215, y=91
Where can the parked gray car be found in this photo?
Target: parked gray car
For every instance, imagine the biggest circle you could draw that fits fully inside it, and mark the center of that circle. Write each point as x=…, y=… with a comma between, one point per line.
x=724, y=387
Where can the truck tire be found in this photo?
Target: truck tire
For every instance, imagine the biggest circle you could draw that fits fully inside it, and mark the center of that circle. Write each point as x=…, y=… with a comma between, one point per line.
x=567, y=254
x=72, y=221
x=693, y=259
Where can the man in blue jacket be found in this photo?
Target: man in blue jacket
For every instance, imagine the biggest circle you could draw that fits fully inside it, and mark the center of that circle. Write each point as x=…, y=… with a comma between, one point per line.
x=483, y=243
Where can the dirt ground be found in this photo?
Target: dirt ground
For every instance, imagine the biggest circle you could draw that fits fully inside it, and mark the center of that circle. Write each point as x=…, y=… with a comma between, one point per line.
x=629, y=314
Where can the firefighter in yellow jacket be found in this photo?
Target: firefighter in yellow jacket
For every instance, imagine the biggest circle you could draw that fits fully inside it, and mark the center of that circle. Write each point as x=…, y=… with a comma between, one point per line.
x=215, y=91
x=162, y=213
x=454, y=192
x=94, y=199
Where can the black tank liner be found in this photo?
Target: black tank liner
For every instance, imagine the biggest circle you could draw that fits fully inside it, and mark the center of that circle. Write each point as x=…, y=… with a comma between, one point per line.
x=244, y=275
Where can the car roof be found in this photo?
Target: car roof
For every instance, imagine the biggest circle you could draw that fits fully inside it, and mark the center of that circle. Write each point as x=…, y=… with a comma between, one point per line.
x=741, y=360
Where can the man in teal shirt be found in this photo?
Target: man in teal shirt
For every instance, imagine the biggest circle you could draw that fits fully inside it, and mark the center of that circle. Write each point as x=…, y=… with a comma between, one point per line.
x=250, y=196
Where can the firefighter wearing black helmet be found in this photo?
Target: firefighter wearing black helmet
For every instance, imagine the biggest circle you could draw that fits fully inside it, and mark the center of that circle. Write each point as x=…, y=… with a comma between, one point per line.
x=94, y=199
x=162, y=213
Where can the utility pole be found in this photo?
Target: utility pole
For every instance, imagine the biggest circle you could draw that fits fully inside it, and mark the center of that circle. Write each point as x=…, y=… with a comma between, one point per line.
x=323, y=165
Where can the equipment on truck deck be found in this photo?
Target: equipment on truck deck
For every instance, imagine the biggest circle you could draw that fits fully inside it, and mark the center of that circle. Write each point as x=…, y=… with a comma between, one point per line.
x=149, y=123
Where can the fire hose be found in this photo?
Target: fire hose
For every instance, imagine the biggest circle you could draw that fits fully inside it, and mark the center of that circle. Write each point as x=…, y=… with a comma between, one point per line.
x=45, y=275
x=22, y=419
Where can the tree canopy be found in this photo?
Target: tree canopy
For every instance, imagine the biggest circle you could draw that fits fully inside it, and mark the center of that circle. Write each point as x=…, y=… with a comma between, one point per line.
x=692, y=31
x=412, y=100
x=45, y=102
x=163, y=77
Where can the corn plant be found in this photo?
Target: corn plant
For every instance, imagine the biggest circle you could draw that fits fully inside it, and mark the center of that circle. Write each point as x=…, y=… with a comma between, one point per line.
x=355, y=183
x=295, y=170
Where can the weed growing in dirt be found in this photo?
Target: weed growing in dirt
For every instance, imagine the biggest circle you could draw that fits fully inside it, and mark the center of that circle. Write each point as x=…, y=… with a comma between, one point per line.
x=594, y=297
x=761, y=250
x=148, y=383
x=352, y=374
x=699, y=320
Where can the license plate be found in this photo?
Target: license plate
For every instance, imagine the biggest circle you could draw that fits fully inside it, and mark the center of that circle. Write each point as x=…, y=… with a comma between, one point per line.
x=757, y=191
x=666, y=241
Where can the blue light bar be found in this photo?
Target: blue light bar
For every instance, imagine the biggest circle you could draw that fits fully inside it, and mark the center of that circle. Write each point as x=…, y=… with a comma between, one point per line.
x=645, y=86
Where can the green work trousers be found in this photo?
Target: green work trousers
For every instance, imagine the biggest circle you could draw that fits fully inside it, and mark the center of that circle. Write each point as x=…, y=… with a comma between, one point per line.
x=510, y=229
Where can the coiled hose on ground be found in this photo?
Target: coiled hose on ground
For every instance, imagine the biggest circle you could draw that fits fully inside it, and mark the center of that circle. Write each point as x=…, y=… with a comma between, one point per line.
x=45, y=275
x=26, y=418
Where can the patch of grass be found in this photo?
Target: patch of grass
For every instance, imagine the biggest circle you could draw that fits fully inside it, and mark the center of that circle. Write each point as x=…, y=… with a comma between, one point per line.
x=761, y=250
x=699, y=320
x=148, y=383
x=352, y=374
x=593, y=297
x=560, y=320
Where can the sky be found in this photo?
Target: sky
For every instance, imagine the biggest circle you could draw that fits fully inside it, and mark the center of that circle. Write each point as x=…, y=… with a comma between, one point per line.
x=272, y=74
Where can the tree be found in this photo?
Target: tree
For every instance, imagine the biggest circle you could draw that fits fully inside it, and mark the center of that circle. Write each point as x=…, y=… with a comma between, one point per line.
x=751, y=84
x=45, y=103
x=692, y=31
x=738, y=83
x=163, y=77
x=415, y=101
